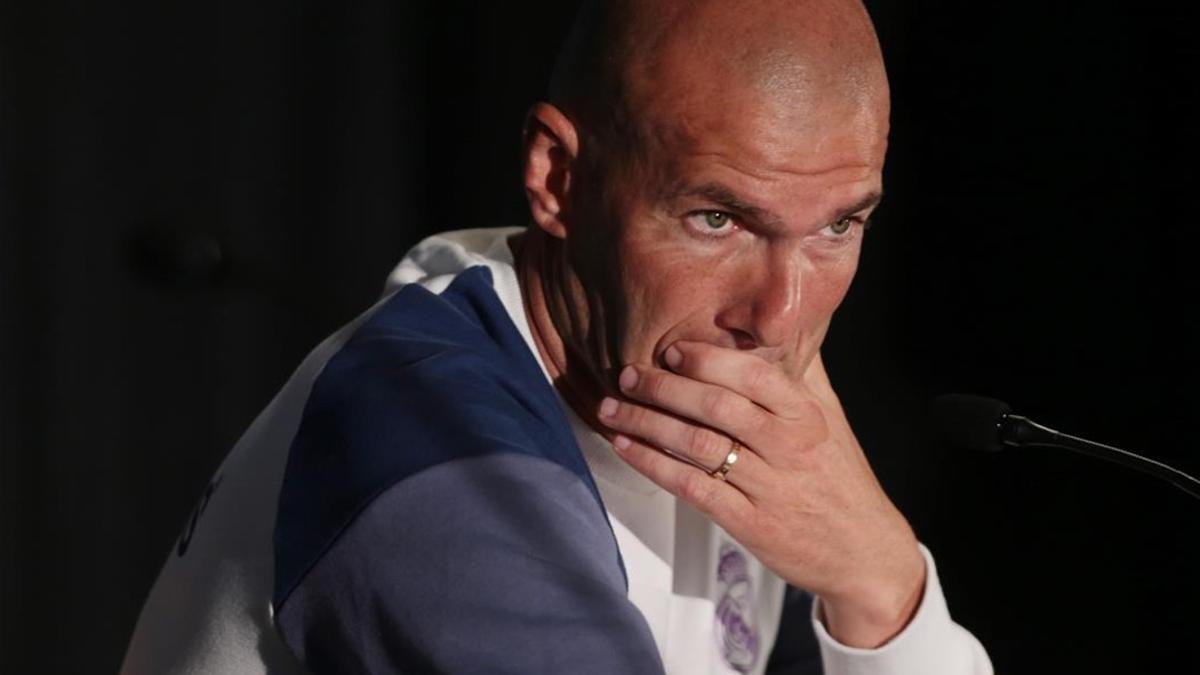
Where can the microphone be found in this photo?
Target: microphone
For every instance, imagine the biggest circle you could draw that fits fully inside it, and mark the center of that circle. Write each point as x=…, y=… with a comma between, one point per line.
x=981, y=423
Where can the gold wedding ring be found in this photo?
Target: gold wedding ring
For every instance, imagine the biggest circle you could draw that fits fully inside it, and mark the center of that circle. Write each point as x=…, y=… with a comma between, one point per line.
x=722, y=471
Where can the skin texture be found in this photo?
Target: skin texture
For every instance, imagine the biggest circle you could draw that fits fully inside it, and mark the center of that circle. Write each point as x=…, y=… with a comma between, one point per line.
x=684, y=270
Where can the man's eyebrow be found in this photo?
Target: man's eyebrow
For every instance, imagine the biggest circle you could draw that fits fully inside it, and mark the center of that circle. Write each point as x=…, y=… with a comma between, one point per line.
x=869, y=202
x=727, y=200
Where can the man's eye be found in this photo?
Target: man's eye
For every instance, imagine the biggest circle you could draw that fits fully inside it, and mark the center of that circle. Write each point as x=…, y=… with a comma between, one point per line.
x=842, y=226
x=716, y=220
x=711, y=224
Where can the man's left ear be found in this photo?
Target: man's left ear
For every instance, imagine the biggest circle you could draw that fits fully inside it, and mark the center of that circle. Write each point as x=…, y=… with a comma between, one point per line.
x=551, y=152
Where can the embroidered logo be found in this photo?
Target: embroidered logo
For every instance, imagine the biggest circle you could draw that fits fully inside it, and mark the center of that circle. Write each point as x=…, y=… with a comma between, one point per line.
x=736, y=619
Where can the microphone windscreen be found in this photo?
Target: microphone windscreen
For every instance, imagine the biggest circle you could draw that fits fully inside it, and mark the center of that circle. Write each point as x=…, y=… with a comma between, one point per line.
x=970, y=422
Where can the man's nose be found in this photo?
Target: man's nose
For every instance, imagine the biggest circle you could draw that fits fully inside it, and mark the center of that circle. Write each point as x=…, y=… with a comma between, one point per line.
x=768, y=310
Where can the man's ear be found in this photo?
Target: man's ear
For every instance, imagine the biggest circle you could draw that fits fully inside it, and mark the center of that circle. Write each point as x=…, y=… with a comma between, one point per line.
x=551, y=155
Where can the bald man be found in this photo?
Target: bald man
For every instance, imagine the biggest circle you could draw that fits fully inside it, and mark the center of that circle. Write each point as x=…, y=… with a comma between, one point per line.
x=605, y=443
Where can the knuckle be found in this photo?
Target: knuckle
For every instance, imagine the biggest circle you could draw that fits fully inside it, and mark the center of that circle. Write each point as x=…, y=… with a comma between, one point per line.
x=760, y=422
x=717, y=406
x=701, y=351
x=810, y=411
x=696, y=488
x=758, y=376
x=705, y=443
x=637, y=417
x=705, y=364
x=653, y=385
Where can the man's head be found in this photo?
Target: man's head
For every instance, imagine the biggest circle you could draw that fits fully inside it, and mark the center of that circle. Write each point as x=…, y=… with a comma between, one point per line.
x=707, y=167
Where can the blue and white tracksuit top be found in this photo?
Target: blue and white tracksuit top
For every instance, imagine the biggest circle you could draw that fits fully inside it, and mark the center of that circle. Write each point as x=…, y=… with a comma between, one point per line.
x=418, y=499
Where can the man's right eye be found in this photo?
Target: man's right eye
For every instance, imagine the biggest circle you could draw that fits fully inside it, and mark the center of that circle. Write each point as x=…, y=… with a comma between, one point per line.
x=711, y=223
x=716, y=219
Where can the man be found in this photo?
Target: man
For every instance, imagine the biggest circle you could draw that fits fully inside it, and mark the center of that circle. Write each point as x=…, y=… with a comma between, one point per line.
x=606, y=443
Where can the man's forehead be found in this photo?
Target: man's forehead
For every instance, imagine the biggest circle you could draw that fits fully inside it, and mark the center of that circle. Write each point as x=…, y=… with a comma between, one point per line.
x=744, y=141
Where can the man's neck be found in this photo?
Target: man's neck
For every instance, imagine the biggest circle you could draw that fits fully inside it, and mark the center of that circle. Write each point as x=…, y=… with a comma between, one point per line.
x=546, y=281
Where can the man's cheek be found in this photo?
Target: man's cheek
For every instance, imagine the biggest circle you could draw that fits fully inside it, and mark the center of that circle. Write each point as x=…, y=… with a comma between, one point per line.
x=655, y=312
x=825, y=290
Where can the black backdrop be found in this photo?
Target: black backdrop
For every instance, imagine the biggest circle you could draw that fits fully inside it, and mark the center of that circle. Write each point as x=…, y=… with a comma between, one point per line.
x=194, y=194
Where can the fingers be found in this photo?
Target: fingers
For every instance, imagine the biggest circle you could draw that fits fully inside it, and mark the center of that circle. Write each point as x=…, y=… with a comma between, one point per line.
x=720, y=500
x=762, y=382
x=713, y=406
x=690, y=442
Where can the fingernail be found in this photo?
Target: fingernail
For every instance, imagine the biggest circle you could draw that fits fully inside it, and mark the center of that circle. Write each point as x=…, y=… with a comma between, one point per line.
x=629, y=378
x=621, y=442
x=673, y=356
x=608, y=407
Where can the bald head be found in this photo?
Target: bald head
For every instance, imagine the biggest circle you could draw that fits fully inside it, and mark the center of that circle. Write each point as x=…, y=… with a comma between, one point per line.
x=632, y=64
x=704, y=171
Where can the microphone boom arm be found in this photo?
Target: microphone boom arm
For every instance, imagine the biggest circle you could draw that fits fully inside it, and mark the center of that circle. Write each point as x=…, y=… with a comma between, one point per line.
x=1018, y=431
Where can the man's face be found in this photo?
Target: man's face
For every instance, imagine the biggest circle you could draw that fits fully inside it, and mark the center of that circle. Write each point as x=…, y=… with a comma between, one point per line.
x=742, y=224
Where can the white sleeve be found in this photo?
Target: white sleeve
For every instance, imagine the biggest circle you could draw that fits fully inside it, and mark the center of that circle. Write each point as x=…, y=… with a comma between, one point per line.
x=931, y=644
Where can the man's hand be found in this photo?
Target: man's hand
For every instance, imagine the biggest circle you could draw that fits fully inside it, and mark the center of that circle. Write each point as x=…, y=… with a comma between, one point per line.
x=801, y=495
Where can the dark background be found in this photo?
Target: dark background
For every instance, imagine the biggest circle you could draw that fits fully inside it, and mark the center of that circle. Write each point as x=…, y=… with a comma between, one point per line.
x=192, y=195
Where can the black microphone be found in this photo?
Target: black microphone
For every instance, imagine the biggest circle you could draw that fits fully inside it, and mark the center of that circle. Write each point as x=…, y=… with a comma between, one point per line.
x=980, y=423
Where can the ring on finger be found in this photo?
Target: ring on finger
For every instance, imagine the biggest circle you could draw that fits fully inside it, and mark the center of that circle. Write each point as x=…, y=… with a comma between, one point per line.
x=721, y=472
